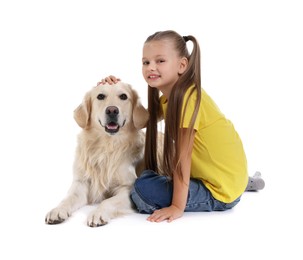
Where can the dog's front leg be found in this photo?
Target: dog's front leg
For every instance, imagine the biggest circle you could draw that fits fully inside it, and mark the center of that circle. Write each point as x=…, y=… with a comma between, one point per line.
x=117, y=205
x=76, y=198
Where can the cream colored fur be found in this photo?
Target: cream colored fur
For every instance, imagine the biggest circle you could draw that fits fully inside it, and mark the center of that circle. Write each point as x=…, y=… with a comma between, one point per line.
x=104, y=165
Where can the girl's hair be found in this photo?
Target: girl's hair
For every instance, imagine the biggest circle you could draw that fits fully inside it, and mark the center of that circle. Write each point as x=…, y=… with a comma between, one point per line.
x=174, y=117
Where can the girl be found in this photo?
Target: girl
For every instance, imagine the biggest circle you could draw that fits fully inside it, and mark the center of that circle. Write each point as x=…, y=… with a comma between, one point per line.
x=204, y=162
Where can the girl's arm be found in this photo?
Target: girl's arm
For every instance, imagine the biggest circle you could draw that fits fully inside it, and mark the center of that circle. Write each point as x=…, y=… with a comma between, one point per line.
x=180, y=193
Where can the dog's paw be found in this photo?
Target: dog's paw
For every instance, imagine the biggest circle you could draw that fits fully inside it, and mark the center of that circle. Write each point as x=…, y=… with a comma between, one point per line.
x=56, y=216
x=96, y=219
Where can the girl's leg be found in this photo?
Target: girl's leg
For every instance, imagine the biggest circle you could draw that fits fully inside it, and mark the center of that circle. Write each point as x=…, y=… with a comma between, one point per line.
x=152, y=191
x=200, y=199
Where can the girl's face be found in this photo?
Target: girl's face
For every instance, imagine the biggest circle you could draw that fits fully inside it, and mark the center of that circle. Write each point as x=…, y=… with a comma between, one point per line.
x=161, y=65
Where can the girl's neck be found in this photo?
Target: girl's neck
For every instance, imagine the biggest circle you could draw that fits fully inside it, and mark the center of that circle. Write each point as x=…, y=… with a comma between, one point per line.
x=166, y=93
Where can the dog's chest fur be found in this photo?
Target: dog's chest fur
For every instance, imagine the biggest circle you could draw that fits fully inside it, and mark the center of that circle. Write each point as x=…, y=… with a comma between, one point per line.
x=109, y=161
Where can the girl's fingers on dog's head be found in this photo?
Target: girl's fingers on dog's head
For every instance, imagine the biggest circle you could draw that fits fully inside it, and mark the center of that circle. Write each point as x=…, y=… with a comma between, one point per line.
x=110, y=80
x=117, y=79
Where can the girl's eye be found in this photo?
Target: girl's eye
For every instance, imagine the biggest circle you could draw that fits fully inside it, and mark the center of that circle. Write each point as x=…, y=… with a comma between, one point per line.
x=145, y=62
x=101, y=97
x=123, y=96
x=160, y=61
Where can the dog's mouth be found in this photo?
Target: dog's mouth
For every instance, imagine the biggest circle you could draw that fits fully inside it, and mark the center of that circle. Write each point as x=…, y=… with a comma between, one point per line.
x=112, y=128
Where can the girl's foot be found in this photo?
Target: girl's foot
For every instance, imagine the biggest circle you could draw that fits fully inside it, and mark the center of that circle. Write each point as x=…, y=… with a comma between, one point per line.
x=255, y=183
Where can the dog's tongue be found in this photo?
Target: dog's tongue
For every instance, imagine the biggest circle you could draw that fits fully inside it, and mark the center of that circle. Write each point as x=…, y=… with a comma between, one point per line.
x=112, y=126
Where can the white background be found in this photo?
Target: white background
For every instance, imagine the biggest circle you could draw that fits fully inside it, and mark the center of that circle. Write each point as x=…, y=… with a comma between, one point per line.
x=52, y=52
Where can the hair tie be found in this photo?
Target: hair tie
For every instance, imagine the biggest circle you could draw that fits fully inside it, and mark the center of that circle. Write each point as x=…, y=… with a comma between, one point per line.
x=185, y=38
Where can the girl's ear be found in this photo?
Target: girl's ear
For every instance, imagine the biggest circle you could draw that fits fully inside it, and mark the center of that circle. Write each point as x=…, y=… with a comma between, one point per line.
x=82, y=112
x=183, y=65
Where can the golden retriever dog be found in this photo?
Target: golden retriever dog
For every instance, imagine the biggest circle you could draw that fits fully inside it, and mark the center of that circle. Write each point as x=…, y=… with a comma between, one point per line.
x=109, y=148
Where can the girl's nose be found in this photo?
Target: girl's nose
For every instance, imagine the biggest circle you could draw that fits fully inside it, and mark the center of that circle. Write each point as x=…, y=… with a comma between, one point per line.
x=151, y=66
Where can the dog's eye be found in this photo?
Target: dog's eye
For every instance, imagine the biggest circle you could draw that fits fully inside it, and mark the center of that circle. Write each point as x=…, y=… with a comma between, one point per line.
x=123, y=96
x=101, y=97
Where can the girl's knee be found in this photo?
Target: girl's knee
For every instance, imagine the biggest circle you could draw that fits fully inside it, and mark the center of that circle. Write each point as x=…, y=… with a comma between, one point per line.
x=153, y=189
x=141, y=205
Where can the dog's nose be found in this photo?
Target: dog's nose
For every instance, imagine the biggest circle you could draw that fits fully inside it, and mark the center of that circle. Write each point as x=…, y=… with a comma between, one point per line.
x=112, y=111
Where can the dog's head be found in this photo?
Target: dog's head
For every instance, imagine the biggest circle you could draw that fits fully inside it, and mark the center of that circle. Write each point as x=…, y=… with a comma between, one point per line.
x=111, y=108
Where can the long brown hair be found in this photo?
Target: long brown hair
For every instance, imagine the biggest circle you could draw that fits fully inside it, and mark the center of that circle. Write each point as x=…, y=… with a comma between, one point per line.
x=174, y=118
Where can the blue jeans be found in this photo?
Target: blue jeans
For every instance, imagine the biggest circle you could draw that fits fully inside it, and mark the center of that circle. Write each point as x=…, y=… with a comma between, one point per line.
x=152, y=191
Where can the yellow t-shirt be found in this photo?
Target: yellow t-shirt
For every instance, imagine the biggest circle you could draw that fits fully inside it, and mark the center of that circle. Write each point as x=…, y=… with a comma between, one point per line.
x=218, y=157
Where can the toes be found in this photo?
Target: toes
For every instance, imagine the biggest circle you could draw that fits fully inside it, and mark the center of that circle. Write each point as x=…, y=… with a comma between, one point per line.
x=95, y=221
x=56, y=217
x=98, y=224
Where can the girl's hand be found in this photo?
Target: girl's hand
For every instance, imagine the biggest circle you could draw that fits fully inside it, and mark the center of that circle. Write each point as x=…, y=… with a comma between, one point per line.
x=170, y=213
x=110, y=80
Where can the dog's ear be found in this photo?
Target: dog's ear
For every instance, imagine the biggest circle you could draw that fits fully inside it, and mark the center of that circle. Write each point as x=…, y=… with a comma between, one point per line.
x=82, y=112
x=140, y=113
